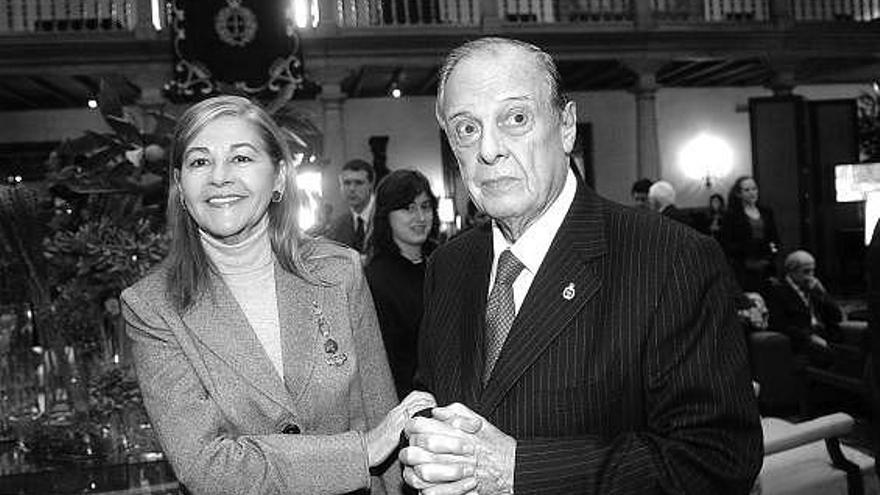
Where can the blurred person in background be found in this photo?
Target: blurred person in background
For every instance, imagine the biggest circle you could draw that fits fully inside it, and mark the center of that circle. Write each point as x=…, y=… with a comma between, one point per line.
x=354, y=226
x=405, y=228
x=749, y=235
x=712, y=220
x=639, y=193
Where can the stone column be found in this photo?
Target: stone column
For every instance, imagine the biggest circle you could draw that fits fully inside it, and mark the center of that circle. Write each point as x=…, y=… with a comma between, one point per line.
x=327, y=17
x=489, y=16
x=143, y=20
x=332, y=100
x=781, y=13
x=647, y=146
x=643, y=14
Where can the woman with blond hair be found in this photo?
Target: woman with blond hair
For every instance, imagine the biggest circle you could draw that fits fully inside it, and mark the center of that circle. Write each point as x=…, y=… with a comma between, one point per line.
x=257, y=348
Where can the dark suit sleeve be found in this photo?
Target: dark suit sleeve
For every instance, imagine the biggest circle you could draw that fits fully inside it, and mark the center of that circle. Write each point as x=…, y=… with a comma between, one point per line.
x=787, y=314
x=423, y=380
x=701, y=433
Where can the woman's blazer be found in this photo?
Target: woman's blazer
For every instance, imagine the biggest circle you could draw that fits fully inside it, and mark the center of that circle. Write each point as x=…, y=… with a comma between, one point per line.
x=227, y=421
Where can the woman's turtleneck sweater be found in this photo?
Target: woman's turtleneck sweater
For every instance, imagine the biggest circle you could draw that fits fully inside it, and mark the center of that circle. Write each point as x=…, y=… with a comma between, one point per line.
x=248, y=269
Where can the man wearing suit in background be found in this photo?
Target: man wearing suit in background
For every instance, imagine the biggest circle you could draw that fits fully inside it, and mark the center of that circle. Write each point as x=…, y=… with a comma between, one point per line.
x=801, y=308
x=585, y=346
x=353, y=227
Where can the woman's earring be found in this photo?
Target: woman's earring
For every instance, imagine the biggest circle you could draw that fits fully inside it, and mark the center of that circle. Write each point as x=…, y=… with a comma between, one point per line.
x=276, y=196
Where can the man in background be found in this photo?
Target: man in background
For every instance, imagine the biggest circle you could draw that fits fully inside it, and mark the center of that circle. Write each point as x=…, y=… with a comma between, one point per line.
x=801, y=308
x=585, y=347
x=352, y=227
x=639, y=193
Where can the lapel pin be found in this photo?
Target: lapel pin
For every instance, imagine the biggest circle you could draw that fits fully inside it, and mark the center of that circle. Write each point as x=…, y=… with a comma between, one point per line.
x=568, y=292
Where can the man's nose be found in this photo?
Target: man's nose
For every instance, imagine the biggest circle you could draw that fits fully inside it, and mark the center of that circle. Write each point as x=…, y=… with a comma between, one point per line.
x=492, y=146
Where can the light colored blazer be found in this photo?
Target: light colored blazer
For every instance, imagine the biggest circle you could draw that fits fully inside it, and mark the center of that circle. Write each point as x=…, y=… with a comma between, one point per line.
x=224, y=417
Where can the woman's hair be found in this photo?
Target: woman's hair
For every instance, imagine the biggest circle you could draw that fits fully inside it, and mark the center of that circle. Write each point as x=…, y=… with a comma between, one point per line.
x=734, y=198
x=720, y=199
x=396, y=191
x=189, y=265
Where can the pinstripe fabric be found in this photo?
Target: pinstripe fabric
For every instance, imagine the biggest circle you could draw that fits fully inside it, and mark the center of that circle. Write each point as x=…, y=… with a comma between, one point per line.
x=637, y=384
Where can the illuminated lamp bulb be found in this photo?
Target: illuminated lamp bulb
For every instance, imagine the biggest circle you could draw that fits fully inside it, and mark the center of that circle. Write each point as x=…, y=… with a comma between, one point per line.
x=706, y=157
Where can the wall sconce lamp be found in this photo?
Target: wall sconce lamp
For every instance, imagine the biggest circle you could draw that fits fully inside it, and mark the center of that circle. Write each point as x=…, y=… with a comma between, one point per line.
x=706, y=158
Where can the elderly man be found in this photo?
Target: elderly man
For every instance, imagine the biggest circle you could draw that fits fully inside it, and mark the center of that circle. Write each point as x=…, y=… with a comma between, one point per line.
x=801, y=308
x=585, y=346
x=661, y=198
x=353, y=227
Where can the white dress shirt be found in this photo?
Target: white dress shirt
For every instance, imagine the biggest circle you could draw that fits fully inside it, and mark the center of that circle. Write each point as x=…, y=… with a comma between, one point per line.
x=533, y=244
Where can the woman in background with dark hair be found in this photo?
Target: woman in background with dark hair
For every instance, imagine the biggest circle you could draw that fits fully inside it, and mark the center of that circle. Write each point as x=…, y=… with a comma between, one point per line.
x=405, y=226
x=715, y=216
x=749, y=235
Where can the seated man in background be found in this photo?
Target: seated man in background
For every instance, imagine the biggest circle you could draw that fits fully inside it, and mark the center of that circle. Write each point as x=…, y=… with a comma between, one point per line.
x=801, y=308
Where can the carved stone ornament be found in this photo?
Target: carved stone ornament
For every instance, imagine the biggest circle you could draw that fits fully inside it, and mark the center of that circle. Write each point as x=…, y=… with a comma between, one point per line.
x=232, y=46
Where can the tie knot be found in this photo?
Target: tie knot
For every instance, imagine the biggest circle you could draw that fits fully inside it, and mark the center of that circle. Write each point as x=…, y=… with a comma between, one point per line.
x=509, y=267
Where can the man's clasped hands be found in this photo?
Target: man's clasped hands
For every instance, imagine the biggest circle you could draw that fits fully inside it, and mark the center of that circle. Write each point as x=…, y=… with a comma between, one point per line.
x=454, y=450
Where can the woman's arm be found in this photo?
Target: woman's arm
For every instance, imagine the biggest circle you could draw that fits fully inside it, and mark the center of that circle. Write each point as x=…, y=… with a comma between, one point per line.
x=377, y=385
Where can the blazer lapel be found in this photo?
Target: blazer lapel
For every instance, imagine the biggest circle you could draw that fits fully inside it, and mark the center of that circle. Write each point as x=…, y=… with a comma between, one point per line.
x=299, y=328
x=219, y=323
x=569, y=276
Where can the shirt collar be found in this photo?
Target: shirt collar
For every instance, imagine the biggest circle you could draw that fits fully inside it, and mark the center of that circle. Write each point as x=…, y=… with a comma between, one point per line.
x=532, y=246
x=367, y=213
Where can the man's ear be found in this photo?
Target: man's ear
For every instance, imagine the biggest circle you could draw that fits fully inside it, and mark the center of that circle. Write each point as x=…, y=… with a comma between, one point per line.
x=568, y=123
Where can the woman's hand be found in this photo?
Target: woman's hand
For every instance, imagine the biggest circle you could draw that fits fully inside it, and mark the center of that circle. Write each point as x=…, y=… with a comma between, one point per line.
x=383, y=439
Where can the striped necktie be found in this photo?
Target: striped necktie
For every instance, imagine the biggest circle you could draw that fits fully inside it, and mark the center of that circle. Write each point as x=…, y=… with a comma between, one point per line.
x=500, y=309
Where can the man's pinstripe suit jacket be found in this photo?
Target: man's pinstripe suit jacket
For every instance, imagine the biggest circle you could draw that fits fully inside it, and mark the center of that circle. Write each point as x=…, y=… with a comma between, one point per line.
x=637, y=384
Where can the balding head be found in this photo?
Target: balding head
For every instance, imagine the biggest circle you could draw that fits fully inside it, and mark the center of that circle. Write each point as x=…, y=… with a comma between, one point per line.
x=798, y=259
x=800, y=267
x=493, y=47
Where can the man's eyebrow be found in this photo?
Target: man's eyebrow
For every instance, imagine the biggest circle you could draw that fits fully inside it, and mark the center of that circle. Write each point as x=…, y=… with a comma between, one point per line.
x=505, y=101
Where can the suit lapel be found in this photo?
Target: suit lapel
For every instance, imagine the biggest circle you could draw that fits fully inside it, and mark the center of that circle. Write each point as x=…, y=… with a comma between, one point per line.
x=473, y=319
x=569, y=276
x=299, y=328
x=219, y=323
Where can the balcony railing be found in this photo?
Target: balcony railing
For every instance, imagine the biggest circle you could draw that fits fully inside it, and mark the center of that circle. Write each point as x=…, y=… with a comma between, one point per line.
x=60, y=16
x=397, y=13
x=139, y=16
